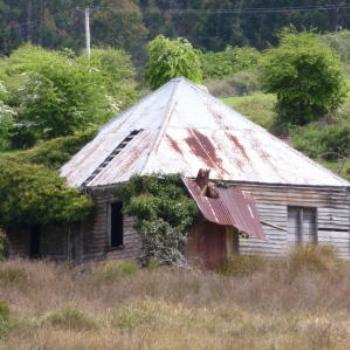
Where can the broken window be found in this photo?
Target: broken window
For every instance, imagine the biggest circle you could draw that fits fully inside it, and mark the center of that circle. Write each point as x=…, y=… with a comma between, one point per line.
x=116, y=225
x=302, y=226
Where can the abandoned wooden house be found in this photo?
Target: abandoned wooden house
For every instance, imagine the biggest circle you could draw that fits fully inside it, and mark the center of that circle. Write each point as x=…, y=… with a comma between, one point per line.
x=180, y=128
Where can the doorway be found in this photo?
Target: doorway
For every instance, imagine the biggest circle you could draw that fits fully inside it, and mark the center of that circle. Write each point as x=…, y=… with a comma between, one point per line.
x=35, y=242
x=116, y=225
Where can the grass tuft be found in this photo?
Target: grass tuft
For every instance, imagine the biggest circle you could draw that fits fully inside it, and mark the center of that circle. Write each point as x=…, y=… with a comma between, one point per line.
x=70, y=318
x=112, y=270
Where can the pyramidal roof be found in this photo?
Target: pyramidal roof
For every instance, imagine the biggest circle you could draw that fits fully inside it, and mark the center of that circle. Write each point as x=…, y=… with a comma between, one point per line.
x=180, y=128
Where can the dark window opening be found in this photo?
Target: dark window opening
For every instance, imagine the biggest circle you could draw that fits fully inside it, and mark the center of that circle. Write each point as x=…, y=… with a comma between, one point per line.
x=302, y=225
x=116, y=229
x=35, y=242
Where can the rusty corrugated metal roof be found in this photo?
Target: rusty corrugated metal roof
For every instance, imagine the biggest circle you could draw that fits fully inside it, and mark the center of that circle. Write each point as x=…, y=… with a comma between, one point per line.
x=232, y=208
x=184, y=129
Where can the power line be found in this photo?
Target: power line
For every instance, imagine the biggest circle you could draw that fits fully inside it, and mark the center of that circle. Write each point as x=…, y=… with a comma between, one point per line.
x=252, y=10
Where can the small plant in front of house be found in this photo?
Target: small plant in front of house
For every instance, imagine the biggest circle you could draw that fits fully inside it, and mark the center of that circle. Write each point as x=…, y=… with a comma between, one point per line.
x=3, y=246
x=4, y=319
x=164, y=212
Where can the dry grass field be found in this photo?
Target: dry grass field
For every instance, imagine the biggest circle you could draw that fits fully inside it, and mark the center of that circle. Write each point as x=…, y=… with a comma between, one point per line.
x=298, y=302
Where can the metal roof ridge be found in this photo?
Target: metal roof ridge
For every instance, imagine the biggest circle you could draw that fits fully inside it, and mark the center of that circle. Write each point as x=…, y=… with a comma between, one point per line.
x=167, y=116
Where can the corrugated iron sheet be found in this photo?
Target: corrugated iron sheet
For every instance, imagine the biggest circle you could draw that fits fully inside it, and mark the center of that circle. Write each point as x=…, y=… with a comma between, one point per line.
x=186, y=129
x=232, y=208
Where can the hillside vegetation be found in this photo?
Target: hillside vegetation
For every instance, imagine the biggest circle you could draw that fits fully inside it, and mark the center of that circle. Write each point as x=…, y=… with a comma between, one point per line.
x=253, y=303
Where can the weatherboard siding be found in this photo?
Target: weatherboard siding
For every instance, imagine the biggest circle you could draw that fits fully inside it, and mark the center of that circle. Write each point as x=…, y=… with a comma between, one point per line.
x=95, y=231
x=332, y=220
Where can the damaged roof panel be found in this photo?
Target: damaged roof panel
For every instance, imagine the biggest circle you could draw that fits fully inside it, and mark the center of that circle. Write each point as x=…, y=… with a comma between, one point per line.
x=232, y=208
x=186, y=129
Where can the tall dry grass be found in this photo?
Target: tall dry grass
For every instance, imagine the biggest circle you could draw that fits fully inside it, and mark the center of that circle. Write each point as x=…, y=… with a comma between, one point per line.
x=298, y=302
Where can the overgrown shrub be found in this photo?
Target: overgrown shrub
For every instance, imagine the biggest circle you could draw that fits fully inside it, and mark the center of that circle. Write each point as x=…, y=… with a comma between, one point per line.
x=306, y=76
x=163, y=210
x=223, y=64
x=32, y=194
x=4, y=319
x=169, y=59
x=56, y=96
x=52, y=153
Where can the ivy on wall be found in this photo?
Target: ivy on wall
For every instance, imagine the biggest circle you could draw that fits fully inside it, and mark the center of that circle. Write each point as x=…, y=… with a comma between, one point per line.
x=164, y=211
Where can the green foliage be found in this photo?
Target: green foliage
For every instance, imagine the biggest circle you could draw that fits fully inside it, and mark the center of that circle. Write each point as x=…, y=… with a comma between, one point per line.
x=4, y=319
x=219, y=65
x=328, y=142
x=57, y=96
x=6, y=118
x=163, y=210
x=306, y=76
x=169, y=59
x=118, y=74
x=52, y=153
x=32, y=194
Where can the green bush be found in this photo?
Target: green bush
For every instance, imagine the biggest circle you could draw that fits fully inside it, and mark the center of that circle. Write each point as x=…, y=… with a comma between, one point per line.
x=329, y=142
x=58, y=95
x=306, y=76
x=223, y=64
x=52, y=153
x=163, y=210
x=169, y=59
x=4, y=319
x=32, y=194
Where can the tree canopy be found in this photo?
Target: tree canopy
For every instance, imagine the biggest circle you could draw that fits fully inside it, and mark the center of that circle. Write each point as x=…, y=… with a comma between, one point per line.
x=55, y=93
x=306, y=76
x=168, y=59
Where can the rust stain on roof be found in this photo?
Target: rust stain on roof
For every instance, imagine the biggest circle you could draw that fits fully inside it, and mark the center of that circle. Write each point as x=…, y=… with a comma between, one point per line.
x=237, y=144
x=174, y=144
x=203, y=148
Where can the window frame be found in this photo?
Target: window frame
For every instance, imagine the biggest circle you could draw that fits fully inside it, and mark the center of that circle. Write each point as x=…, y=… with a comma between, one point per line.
x=299, y=234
